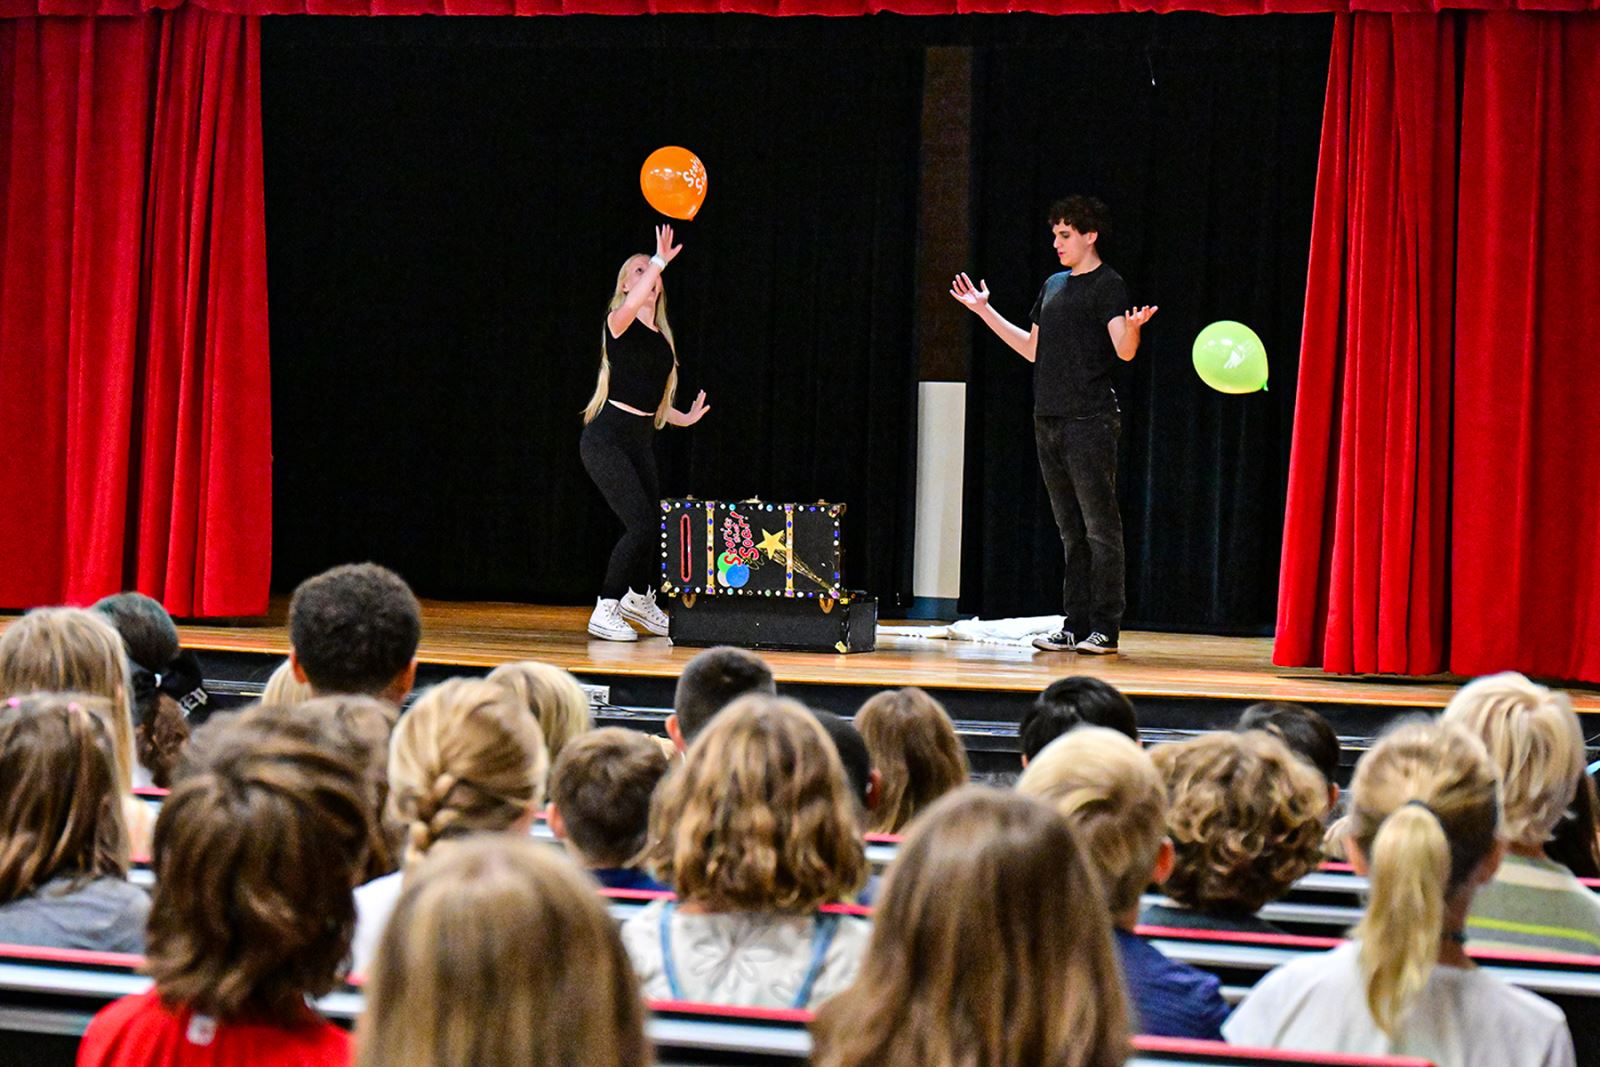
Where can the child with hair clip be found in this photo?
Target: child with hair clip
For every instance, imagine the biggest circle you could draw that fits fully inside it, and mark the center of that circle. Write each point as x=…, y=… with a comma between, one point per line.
x=63, y=850
x=501, y=953
x=756, y=830
x=1424, y=816
x=168, y=689
x=256, y=849
x=991, y=946
x=466, y=758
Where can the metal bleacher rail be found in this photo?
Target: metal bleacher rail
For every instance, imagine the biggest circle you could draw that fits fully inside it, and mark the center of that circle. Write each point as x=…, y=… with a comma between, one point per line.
x=48, y=996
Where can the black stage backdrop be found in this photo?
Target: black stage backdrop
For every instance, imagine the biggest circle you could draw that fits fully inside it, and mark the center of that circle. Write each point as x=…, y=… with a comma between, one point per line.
x=448, y=201
x=1201, y=134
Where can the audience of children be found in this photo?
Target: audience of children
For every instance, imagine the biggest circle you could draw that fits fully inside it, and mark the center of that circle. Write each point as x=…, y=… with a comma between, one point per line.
x=169, y=693
x=553, y=696
x=256, y=849
x=710, y=682
x=69, y=650
x=1424, y=819
x=355, y=629
x=63, y=849
x=600, y=791
x=991, y=945
x=501, y=953
x=1112, y=796
x=1067, y=703
x=756, y=831
x=1245, y=820
x=466, y=758
x=1536, y=745
x=276, y=813
x=916, y=752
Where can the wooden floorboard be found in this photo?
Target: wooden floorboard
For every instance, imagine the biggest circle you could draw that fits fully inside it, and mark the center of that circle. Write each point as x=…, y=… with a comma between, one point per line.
x=1151, y=664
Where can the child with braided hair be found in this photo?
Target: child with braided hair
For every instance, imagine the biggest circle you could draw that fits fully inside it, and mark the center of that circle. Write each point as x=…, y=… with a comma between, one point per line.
x=467, y=758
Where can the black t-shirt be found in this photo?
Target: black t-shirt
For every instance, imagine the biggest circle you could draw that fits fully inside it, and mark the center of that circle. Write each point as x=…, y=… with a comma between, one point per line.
x=1074, y=358
x=640, y=361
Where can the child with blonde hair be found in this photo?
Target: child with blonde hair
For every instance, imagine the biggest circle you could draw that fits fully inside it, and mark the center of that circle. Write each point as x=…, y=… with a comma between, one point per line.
x=467, y=758
x=916, y=751
x=1108, y=789
x=1424, y=815
x=553, y=696
x=63, y=850
x=70, y=650
x=756, y=830
x=256, y=849
x=991, y=945
x=1534, y=739
x=501, y=952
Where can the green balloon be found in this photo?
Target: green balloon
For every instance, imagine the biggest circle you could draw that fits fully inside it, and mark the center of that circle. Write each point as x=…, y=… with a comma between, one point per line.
x=1230, y=358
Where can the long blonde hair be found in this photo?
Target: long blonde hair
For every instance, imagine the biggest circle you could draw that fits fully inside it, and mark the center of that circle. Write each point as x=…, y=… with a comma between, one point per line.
x=552, y=695
x=1424, y=811
x=58, y=650
x=500, y=952
x=466, y=757
x=602, y=385
x=991, y=946
x=1534, y=738
x=759, y=817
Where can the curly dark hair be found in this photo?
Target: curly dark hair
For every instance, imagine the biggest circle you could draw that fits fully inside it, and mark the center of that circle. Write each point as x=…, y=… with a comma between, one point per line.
x=1086, y=214
x=256, y=850
x=354, y=628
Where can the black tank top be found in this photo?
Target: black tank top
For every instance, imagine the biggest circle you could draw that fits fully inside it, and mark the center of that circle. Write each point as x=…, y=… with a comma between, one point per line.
x=640, y=361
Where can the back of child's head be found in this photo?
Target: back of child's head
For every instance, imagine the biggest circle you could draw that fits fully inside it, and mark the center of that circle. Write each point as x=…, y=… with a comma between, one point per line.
x=500, y=952
x=257, y=849
x=714, y=679
x=852, y=749
x=162, y=676
x=283, y=689
x=60, y=808
x=1424, y=813
x=1534, y=739
x=1110, y=792
x=990, y=945
x=467, y=757
x=759, y=816
x=1308, y=735
x=602, y=784
x=916, y=751
x=70, y=650
x=147, y=630
x=360, y=728
x=553, y=696
x=1067, y=703
x=1245, y=818
x=354, y=629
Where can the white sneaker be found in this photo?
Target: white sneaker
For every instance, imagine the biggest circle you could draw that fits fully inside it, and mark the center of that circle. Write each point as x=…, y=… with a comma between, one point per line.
x=643, y=610
x=607, y=623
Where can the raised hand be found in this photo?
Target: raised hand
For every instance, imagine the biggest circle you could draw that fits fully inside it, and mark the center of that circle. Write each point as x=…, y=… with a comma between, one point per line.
x=1137, y=317
x=664, y=246
x=976, y=297
x=697, y=410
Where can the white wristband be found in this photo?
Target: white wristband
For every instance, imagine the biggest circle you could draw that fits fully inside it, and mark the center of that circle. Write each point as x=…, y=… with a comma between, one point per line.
x=660, y=264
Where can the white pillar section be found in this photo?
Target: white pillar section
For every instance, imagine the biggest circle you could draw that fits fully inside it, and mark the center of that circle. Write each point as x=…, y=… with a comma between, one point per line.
x=941, y=437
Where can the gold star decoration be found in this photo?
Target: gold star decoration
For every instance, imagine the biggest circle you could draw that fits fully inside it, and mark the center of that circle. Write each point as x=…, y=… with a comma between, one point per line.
x=772, y=544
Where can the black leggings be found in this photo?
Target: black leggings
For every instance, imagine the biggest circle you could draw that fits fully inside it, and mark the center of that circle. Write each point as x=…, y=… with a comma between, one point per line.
x=616, y=451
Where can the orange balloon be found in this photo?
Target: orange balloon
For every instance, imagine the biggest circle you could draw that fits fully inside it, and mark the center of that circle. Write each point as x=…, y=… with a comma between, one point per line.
x=674, y=181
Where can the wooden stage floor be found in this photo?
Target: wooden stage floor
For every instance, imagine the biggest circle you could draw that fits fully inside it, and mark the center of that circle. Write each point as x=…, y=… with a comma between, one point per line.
x=1175, y=666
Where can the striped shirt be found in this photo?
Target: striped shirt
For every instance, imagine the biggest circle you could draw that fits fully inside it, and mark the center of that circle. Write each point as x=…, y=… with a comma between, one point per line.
x=1535, y=904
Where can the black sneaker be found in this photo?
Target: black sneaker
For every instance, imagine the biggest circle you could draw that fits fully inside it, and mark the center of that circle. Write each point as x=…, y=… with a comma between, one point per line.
x=1063, y=640
x=1097, y=644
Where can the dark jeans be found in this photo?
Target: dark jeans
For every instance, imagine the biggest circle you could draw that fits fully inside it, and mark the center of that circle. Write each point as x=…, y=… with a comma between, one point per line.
x=1078, y=458
x=617, y=453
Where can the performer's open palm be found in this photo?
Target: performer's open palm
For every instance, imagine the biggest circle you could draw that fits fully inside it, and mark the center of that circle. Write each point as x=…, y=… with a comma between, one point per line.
x=976, y=297
x=664, y=246
x=697, y=410
x=1136, y=317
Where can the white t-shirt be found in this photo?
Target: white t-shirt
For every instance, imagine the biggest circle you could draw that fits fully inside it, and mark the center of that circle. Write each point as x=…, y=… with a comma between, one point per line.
x=1464, y=1017
x=375, y=902
x=748, y=959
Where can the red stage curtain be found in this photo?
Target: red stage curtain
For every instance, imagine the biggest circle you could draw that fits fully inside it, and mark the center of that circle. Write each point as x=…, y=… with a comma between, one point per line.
x=1442, y=474
x=20, y=8
x=134, y=380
